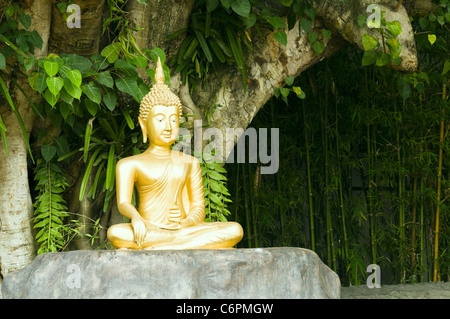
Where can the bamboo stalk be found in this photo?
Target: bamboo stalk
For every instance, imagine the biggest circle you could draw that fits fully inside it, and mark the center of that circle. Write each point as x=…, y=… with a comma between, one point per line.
x=370, y=176
x=281, y=210
x=339, y=173
x=236, y=191
x=436, y=275
x=247, y=211
x=308, y=172
x=413, y=235
x=326, y=199
x=252, y=208
x=330, y=240
x=422, y=229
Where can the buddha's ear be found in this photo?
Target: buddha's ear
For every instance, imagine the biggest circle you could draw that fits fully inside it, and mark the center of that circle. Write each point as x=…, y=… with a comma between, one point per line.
x=144, y=129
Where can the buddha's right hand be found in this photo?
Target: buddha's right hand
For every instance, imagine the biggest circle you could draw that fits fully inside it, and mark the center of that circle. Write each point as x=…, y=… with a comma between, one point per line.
x=140, y=230
x=174, y=214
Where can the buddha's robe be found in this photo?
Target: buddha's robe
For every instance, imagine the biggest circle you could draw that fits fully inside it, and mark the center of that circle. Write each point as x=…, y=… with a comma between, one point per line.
x=178, y=185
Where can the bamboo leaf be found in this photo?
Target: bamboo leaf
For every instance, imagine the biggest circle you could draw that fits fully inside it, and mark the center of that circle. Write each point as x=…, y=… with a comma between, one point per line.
x=110, y=169
x=18, y=116
x=87, y=139
x=86, y=175
x=204, y=45
x=2, y=62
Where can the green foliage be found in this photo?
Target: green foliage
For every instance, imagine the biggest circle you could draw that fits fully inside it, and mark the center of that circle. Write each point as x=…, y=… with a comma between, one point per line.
x=52, y=233
x=284, y=91
x=219, y=34
x=216, y=192
x=21, y=43
x=214, y=37
x=389, y=31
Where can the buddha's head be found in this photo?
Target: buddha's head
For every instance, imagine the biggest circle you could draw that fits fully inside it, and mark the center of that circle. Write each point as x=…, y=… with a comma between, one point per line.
x=160, y=112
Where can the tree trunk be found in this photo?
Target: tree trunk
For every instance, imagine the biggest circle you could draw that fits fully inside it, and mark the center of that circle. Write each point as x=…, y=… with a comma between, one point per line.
x=341, y=17
x=84, y=41
x=16, y=207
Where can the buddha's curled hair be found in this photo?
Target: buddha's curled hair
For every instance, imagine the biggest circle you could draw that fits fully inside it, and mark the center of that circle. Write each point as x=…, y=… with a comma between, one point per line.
x=160, y=94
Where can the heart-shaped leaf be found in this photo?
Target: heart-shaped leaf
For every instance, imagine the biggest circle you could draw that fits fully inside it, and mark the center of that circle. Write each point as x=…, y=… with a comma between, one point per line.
x=128, y=85
x=111, y=52
x=51, y=99
x=394, y=47
x=105, y=79
x=51, y=68
x=73, y=75
x=72, y=89
x=110, y=99
x=281, y=37
x=312, y=36
x=55, y=84
x=432, y=38
x=92, y=91
x=241, y=7
x=369, y=42
x=48, y=152
x=394, y=28
x=305, y=24
x=41, y=83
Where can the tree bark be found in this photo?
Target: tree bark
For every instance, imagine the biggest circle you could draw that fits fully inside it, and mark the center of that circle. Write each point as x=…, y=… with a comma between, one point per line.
x=341, y=17
x=84, y=41
x=16, y=207
x=270, y=63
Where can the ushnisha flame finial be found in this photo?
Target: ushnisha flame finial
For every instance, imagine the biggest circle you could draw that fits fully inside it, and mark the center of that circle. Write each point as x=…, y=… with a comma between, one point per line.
x=159, y=94
x=159, y=73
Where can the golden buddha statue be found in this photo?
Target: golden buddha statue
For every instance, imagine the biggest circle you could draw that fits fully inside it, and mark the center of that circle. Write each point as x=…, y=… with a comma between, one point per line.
x=171, y=209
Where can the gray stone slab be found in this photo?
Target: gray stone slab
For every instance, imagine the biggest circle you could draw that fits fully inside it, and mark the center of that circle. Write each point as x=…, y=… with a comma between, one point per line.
x=201, y=274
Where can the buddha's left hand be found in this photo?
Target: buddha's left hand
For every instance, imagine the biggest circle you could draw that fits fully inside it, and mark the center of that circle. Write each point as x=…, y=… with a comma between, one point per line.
x=186, y=222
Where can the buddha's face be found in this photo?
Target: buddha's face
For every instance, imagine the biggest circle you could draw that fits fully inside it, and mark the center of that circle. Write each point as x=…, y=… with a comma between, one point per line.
x=162, y=125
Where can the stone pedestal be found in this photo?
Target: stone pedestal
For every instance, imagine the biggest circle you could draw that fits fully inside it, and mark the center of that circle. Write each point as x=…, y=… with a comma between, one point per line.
x=229, y=273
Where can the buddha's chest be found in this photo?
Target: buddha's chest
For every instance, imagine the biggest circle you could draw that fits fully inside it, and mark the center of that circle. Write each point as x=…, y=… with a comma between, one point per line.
x=161, y=170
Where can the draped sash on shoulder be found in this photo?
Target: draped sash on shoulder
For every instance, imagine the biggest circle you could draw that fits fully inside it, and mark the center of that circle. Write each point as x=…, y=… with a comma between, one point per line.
x=157, y=198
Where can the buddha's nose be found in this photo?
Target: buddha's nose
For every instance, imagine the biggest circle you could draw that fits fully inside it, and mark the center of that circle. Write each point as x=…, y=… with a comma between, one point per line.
x=168, y=127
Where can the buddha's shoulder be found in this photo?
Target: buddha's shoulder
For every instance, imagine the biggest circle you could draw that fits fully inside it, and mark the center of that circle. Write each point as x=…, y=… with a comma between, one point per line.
x=130, y=161
x=185, y=158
